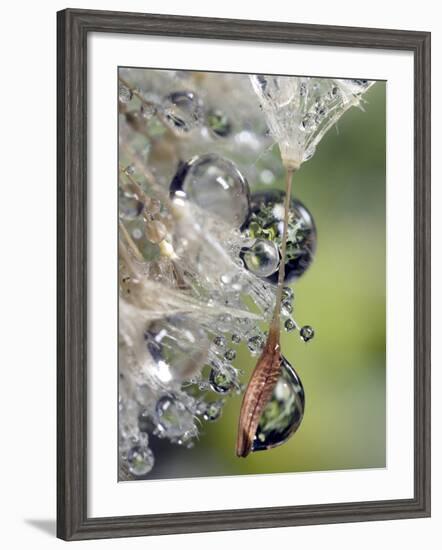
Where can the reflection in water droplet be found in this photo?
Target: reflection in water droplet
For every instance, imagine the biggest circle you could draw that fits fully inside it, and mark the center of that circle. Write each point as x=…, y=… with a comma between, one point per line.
x=214, y=184
x=283, y=414
x=213, y=411
x=222, y=380
x=218, y=123
x=262, y=258
x=266, y=222
x=289, y=325
x=140, y=460
x=183, y=111
x=307, y=333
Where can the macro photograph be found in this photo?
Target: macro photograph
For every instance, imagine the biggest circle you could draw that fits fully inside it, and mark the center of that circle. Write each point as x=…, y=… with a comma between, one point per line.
x=251, y=273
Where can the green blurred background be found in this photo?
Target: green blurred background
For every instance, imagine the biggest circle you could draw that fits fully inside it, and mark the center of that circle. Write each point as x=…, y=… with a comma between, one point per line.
x=342, y=296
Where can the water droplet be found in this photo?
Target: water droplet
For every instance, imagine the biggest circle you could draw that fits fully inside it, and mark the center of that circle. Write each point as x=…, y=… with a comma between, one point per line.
x=266, y=222
x=183, y=111
x=289, y=325
x=308, y=123
x=124, y=94
x=309, y=152
x=236, y=338
x=220, y=342
x=129, y=206
x=178, y=346
x=307, y=333
x=174, y=419
x=283, y=414
x=213, y=411
x=255, y=343
x=140, y=460
x=218, y=123
x=230, y=354
x=262, y=258
x=288, y=294
x=216, y=185
x=286, y=308
x=156, y=231
x=222, y=380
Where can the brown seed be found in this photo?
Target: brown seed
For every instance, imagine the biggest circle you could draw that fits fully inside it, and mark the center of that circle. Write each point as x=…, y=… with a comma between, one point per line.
x=259, y=392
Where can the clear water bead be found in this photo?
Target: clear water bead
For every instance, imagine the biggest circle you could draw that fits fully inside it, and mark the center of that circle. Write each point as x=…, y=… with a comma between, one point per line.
x=262, y=258
x=289, y=325
x=216, y=185
x=182, y=111
x=286, y=308
x=174, y=419
x=230, y=354
x=124, y=93
x=255, y=344
x=266, y=221
x=222, y=380
x=213, y=411
x=129, y=206
x=178, y=346
x=288, y=294
x=283, y=414
x=219, y=342
x=218, y=123
x=307, y=333
x=140, y=460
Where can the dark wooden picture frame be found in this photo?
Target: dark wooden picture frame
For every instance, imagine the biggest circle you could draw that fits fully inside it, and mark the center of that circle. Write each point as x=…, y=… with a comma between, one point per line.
x=73, y=27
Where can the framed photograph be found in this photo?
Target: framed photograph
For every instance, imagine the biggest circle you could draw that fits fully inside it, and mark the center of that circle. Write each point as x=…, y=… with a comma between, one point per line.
x=243, y=274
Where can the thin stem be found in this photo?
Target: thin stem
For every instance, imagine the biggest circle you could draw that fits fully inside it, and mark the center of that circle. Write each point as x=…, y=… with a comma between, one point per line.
x=281, y=273
x=130, y=242
x=144, y=101
x=135, y=92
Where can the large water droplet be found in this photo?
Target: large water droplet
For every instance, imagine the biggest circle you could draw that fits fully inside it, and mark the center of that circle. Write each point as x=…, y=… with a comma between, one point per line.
x=140, y=460
x=266, y=221
x=216, y=185
x=183, y=111
x=262, y=258
x=178, y=346
x=283, y=414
